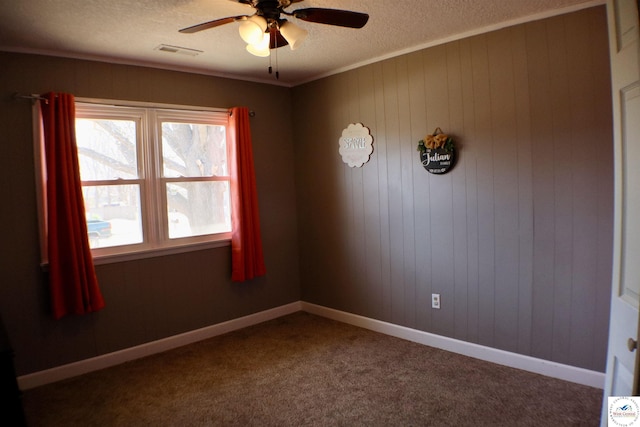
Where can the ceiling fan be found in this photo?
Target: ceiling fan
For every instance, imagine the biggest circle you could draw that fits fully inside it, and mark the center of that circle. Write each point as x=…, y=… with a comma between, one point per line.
x=266, y=29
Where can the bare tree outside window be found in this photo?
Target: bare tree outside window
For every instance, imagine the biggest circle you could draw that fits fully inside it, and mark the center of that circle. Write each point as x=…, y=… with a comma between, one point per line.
x=195, y=151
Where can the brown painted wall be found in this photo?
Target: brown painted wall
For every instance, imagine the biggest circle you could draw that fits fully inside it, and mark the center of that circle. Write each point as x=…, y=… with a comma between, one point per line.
x=147, y=299
x=517, y=239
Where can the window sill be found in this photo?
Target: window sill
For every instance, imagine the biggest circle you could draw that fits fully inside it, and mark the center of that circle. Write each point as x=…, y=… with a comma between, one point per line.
x=153, y=252
x=157, y=252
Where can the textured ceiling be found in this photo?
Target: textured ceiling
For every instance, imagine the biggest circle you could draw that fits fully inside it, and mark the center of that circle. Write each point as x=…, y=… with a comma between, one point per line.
x=129, y=32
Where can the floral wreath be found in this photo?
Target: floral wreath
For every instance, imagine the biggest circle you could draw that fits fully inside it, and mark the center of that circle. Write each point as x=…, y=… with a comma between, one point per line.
x=438, y=140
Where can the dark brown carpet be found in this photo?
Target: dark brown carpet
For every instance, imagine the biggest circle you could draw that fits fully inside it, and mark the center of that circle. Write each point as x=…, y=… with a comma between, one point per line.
x=306, y=370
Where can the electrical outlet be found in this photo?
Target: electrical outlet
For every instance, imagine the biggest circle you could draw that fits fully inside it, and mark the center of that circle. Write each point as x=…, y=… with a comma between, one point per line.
x=435, y=300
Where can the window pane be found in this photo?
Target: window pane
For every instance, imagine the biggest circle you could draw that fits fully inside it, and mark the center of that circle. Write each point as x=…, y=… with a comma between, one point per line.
x=113, y=215
x=192, y=150
x=107, y=149
x=197, y=208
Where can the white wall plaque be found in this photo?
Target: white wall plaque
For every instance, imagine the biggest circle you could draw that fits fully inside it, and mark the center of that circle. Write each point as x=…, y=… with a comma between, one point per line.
x=356, y=145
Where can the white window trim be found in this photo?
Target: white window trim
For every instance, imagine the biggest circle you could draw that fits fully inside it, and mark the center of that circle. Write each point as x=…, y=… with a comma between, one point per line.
x=129, y=252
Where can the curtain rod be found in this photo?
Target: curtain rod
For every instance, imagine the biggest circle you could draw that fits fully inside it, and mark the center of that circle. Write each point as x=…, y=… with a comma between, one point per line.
x=37, y=97
x=251, y=113
x=33, y=97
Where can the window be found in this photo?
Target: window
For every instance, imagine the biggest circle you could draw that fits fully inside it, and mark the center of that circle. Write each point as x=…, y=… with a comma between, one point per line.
x=153, y=178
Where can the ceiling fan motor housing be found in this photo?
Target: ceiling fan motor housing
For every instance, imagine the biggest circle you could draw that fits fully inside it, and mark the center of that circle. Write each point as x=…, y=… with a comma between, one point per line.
x=270, y=9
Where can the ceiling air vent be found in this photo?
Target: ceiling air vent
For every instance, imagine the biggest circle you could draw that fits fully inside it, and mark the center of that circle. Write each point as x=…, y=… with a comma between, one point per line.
x=177, y=49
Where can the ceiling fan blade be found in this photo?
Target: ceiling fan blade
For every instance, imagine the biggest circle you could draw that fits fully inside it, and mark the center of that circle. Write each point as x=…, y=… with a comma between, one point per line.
x=212, y=24
x=343, y=18
x=254, y=3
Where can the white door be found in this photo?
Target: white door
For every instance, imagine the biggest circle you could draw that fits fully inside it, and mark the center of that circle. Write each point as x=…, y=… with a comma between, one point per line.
x=623, y=329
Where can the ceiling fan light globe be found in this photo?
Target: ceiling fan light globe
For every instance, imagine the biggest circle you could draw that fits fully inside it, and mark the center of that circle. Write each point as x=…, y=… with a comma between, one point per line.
x=293, y=34
x=252, y=29
x=261, y=48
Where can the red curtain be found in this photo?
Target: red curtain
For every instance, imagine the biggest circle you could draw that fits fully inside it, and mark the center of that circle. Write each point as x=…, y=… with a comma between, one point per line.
x=72, y=278
x=247, y=260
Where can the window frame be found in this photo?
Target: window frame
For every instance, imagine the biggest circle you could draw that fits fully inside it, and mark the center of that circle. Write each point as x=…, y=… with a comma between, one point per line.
x=151, y=182
x=161, y=181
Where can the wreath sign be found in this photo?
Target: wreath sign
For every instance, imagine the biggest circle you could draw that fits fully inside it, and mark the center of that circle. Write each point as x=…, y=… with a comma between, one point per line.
x=437, y=152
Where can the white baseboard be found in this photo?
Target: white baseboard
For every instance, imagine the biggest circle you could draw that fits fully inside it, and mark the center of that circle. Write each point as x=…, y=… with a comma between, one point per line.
x=48, y=376
x=489, y=354
x=526, y=363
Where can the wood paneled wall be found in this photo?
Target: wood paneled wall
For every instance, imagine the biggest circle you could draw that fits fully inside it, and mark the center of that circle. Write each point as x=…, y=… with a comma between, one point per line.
x=517, y=238
x=148, y=299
